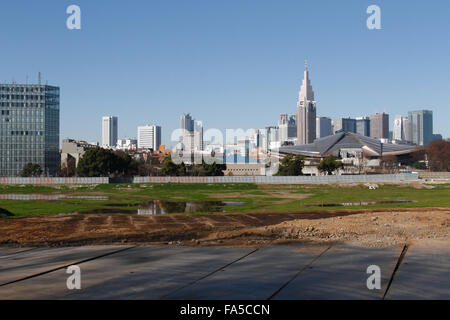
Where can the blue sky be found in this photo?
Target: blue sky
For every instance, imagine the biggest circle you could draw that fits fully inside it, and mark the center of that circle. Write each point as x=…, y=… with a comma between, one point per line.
x=232, y=64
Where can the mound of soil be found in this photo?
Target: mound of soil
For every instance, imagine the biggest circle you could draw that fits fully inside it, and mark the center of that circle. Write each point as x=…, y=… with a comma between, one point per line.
x=366, y=227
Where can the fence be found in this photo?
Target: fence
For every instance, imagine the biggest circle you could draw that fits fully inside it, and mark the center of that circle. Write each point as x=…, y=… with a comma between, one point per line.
x=283, y=180
x=434, y=175
x=52, y=181
x=227, y=179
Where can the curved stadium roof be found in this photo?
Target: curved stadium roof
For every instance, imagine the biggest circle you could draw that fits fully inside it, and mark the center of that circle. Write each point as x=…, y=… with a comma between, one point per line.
x=347, y=140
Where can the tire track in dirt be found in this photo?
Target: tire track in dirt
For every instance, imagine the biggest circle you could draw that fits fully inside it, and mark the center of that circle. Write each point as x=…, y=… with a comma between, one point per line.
x=119, y=228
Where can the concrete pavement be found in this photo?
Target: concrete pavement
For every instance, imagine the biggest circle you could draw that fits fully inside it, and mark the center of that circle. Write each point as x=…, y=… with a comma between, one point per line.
x=288, y=272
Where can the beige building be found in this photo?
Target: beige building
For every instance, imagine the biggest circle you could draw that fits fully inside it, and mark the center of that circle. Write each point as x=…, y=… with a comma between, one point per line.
x=306, y=112
x=74, y=149
x=245, y=169
x=379, y=126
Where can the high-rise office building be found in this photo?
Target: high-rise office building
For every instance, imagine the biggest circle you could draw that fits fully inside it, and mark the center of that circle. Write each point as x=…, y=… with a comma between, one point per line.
x=344, y=125
x=149, y=137
x=29, y=128
x=192, y=135
x=306, y=112
x=400, y=132
x=420, y=127
x=363, y=126
x=405, y=128
x=287, y=127
x=379, y=126
x=187, y=123
x=323, y=127
x=110, y=128
x=198, y=127
x=272, y=138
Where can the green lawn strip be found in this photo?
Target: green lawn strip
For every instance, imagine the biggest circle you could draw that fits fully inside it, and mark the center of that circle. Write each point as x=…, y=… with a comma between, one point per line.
x=39, y=208
x=256, y=198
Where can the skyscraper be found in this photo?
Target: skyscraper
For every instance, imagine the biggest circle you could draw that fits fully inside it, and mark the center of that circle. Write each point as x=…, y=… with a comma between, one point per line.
x=306, y=112
x=192, y=135
x=363, y=126
x=405, y=129
x=323, y=127
x=198, y=128
x=344, y=125
x=400, y=132
x=420, y=127
x=379, y=126
x=149, y=137
x=109, y=131
x=287, y=127
x=187, y=123
x=272, y=138
x=29, y=128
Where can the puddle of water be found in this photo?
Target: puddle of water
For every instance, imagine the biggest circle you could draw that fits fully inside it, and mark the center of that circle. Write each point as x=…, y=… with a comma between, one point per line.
x=148, y=208
x=165, y=207
x=5, y=213
x=361, y=203
x=48, y=197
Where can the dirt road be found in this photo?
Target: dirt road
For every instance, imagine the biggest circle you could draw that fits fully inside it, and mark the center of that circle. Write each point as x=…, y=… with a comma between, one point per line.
x=366, y=227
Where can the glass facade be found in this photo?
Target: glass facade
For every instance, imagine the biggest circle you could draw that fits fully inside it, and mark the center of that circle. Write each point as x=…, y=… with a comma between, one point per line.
x=29, y=128
x=344, y=125
x=363, y=126
x=420, y=127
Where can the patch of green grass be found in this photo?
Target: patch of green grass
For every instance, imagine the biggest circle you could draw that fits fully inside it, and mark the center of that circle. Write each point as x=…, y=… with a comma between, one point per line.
x=256, y=198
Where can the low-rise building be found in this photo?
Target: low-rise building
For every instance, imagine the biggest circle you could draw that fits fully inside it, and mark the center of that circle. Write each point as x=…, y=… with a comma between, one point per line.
x=245, y=169
x=148, y=155
x=74, y=149
x=126, y=144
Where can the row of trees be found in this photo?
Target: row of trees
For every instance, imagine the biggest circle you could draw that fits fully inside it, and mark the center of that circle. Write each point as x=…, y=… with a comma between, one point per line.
x=99, y=162
x=435, y=157
x=438, y=156
x=292, y=165
x=170, y=168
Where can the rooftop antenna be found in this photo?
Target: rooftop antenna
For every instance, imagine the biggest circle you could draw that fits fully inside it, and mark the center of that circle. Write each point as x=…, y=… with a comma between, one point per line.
x=39, y=78
x=26, y=82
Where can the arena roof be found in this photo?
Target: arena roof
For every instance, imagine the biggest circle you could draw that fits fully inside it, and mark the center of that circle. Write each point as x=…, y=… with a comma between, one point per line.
x=347, y=140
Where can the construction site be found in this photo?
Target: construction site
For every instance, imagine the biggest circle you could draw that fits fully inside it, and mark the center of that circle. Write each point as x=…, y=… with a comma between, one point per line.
x=219, y=241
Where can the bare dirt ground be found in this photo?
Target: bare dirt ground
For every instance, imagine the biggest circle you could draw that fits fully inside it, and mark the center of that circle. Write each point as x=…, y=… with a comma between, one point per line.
x=366, y=227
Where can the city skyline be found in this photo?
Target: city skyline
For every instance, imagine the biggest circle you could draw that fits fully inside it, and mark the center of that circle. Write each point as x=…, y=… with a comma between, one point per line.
x=253, y=71
x=305, y=126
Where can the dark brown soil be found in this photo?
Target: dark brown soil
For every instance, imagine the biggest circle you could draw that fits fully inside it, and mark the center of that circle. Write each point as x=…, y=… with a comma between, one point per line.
x=223, y=229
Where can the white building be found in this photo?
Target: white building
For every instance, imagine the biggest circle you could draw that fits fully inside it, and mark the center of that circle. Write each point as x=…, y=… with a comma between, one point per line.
x=192, y=141
x=400, y=132
x=110, y=130
x=192, y=135
x=127, y=144
x=198, y=128
x=287, y=127
x=149, y=137
x=269, y=138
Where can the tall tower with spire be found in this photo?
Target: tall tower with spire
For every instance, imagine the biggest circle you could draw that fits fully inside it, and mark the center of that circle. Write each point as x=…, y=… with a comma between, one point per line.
x=306, y=112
